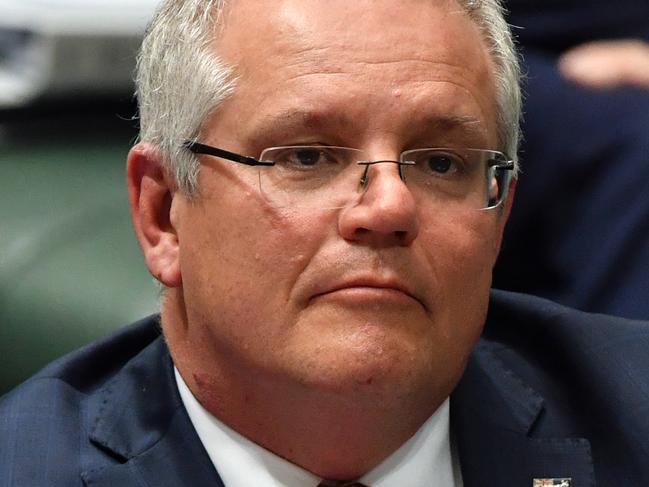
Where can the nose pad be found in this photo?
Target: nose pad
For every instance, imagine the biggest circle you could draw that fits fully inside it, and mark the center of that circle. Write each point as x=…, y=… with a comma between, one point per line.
x=385, y=213
x=362, y=185
x=365, y=178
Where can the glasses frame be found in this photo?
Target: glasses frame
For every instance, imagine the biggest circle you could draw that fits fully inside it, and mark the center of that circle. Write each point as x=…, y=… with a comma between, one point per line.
x=506, y=164
x=198, y=148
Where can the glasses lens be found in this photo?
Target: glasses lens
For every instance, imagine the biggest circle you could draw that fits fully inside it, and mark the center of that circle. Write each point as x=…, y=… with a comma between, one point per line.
x=311, y=176
x=457, y=178
x=330, y=177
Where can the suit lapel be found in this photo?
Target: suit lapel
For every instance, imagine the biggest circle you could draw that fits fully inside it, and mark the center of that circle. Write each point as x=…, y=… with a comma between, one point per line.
x=139, y=423
x=493, y=414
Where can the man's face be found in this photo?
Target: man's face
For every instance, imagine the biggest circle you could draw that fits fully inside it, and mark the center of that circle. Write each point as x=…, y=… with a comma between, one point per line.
x=383, y=298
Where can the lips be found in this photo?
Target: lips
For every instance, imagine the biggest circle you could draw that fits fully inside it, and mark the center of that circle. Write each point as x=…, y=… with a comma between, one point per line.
x=368, y=283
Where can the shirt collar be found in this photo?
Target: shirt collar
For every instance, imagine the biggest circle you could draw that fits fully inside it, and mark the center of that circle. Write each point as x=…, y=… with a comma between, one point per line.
x=424, y=460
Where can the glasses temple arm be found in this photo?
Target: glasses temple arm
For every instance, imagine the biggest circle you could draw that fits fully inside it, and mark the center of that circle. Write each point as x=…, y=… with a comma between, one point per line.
x=198, y=148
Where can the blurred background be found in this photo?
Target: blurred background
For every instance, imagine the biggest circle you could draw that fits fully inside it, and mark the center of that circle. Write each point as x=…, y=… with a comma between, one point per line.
x=70, y=268
x=579, y=229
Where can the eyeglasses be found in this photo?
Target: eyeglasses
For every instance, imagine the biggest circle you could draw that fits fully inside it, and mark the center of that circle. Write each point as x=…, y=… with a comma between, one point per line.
x=332, y=177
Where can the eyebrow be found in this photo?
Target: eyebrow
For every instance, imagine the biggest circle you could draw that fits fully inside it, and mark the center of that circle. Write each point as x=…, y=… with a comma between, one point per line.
x=303, y=118
x=296, y=119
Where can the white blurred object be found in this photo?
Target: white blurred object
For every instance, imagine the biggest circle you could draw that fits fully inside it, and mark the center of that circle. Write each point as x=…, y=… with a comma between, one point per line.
x=65, y=47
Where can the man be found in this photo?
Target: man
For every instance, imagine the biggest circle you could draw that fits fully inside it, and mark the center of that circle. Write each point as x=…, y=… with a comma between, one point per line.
x=321, y=188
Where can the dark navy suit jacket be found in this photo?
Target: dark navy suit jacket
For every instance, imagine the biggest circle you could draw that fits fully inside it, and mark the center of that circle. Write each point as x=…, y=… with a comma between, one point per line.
x=548, y=393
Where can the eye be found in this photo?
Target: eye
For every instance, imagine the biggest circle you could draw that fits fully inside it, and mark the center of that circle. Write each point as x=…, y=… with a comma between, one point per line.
x=305, y=156
x=440, y=163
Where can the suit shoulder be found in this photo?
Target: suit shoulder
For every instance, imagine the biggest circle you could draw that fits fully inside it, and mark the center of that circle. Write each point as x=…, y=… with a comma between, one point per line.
x=574, y=357
x=518, y=319
x=45, y=422
x=89, y=368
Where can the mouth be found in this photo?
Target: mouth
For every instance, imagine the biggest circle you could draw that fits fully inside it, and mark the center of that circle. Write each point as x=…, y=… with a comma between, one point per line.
x=369, y=290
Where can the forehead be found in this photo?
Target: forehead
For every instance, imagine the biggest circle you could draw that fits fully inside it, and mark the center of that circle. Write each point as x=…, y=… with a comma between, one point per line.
x=369, y=24
x=311, y=56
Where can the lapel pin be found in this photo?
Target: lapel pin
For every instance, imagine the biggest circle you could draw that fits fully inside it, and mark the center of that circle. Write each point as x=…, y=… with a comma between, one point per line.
x=552, y=483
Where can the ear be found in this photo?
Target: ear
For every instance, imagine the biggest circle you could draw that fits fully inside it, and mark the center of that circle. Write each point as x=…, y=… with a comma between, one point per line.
x=504, y=215
x=150, y=193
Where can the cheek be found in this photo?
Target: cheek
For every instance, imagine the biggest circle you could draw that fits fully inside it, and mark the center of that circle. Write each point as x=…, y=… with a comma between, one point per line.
x=461, y=254
x=463, y=247
x=241, y=269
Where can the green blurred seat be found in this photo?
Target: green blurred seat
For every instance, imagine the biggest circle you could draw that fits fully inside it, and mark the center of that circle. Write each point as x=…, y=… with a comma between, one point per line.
x=70, y=268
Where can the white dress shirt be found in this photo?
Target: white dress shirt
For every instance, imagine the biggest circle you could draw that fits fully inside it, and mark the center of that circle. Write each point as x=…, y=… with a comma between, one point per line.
x=425, y=460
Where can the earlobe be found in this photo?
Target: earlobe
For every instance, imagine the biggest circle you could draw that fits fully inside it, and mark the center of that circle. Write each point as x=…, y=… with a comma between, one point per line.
x=151, y=192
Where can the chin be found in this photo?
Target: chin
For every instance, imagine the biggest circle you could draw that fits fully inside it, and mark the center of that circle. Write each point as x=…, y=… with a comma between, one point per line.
x=355, y=351
x=367, y=363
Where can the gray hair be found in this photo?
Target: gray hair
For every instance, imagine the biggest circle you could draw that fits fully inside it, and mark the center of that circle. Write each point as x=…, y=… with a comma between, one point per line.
x=489, y=15
x=181, y=80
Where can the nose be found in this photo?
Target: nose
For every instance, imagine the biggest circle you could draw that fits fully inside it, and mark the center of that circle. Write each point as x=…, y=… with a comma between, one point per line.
x=385, y=213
